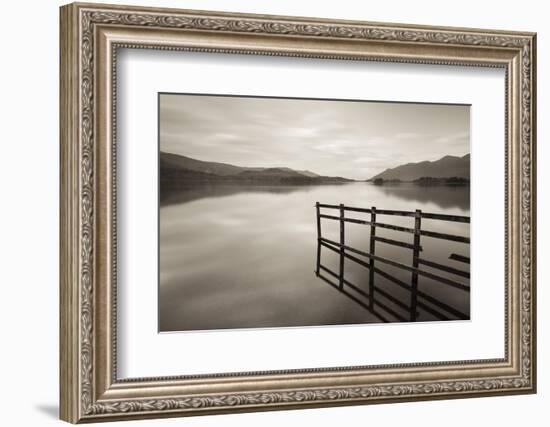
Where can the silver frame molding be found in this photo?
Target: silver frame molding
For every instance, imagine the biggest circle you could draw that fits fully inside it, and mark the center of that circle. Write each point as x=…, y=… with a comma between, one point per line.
x=90, y=37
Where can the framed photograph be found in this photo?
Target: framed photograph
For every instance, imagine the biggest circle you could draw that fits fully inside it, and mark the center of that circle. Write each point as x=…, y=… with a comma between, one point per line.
x=266, y=212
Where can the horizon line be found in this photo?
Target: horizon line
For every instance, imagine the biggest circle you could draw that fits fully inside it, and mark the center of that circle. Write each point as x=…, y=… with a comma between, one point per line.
x=309, y=170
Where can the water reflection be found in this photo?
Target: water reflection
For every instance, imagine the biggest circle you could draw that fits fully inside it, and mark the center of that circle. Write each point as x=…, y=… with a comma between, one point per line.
x=444, y=197
x=189, y=193
x=243, y=257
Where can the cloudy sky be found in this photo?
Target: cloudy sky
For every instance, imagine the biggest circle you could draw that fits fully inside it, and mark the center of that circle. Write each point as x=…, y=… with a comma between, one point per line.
x=334, y=138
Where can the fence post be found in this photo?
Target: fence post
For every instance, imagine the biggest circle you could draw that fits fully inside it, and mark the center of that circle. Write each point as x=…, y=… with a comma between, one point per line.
x=342, y=243
x=372, y=250
x=318, y=265
x=416, y=254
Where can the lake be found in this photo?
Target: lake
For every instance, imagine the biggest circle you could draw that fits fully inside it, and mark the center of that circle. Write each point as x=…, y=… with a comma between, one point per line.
x=245, y=256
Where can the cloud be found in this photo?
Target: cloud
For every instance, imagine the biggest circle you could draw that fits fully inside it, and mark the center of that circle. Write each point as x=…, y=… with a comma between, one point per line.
x=353, y=139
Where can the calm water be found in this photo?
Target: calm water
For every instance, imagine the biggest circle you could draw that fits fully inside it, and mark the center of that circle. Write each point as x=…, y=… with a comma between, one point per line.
x=242, y=257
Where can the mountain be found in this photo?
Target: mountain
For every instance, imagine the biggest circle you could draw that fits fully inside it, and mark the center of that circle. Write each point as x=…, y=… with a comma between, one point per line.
x=446, y=167
x=302, y=172
x=169, y=160
x=176, y=169
x=286, y=176
x=270, y=173
x=222, y=169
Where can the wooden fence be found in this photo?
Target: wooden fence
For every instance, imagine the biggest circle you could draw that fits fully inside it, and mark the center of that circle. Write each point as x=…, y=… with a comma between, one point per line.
x=418, y=298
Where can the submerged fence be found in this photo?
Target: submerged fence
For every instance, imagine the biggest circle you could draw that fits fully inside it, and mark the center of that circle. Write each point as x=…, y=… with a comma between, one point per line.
x=369, y=299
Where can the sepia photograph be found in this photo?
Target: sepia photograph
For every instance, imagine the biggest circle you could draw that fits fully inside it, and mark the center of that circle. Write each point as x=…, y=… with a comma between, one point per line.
x=262, y=212
x=294, y=212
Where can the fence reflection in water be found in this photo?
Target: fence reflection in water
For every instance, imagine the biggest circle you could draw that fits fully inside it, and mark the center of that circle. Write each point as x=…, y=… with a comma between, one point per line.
x=381, y=302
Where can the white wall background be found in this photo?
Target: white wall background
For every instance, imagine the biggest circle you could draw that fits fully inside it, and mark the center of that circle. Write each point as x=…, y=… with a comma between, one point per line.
x=29, y=170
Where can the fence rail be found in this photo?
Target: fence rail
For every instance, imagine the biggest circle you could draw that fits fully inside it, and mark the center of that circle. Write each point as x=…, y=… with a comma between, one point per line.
x=370, y=260
x=442, y=217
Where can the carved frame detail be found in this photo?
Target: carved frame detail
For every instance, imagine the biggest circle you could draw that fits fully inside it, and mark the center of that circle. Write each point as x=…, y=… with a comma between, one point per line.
x=81, y=399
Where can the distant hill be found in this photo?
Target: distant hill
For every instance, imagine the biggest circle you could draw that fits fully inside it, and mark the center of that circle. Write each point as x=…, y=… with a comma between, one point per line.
x=446, y=167
x=302, y=172
x=222, y=169
x=175, y=161
x=176, y=170
x=271, y=173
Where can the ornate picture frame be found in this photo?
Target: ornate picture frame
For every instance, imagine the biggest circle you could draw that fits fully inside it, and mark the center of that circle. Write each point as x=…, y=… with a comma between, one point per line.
x=90, y=37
